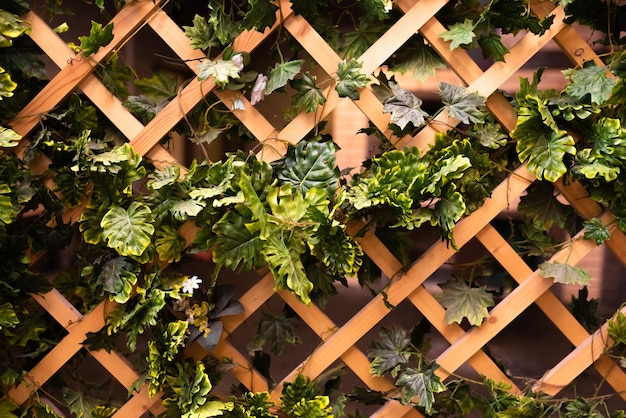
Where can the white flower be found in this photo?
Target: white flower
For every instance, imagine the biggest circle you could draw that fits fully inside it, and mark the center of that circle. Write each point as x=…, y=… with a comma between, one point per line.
x=237, y=59
x=388, y=5
x=238, y=104
x=257, y=91
x=190, y=284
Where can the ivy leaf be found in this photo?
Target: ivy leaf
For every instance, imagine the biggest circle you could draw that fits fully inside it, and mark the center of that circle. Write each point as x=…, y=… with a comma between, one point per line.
x=221, y=71
x=281, y=73
x=8, y=317
x=564, y=273
x=459, y=34
x=404, y=107
x=616, y=327
x=262, y=14
x=308, y=165
x=422, y=384
x=277, y=331
x=201, y=34
x=78, y=403
x=492, y=46
x=460, y=104
x=98, y=37
x=592, y=80
x=545, y=151
x=462, y=301
x=117, y=278
x=225, y=28
x=308, y=96
x=594, y=230
x=160, y=87
x=349, y=79
x=235, y=246
x=490, y=135
x=169, y=244
x=541, y=205
x=390, y=352
x=128, y=231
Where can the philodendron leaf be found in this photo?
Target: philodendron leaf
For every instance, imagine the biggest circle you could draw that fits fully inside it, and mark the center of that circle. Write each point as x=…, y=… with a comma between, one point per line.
x=117, y=278
x=462, y=301
x=277, y=331
x=235, y=246
x=389, y=352
x=7, y=86
x=310, y=164
x=129, y=231
x=592, y=80
x=594, y=230
x=8, y=318
x=459, y=34
x=421, y=384
x=169, y=244
x=185, y=209
x=564, y=273
x=461, y=105
x=404, y=107
x=545, y=150
x=284, y=261
x=98, y=37
x=281, y=73
x=349, y=79
x=9, y=208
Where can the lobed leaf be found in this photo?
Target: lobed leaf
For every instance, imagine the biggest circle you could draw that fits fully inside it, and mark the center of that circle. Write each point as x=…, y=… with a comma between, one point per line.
x=462, y=301
x=459, y=34
x=129, y=231
x=98, y=37
x=564, y=273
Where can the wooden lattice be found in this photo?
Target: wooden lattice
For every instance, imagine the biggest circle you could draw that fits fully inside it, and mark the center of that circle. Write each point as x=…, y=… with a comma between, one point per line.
x=338, y=342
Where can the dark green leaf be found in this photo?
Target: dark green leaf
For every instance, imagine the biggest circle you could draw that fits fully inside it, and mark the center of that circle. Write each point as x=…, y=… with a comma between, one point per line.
x=464, y=106
x=281, y=73
x=356, y=43
x=422, y=62
x=235, y=246
x=169, y=244
x=98, y=37
x=594, y=230
x=284, y=261
x=376, y=9
x=277, y=331
x=422, y=384
x=542, y=207
x=117, y=278
x=160, y=87
x=262, y=14
x=308, y=165
x=462, y=301
x=349, y=79
x=545, y=151
x=389, y=352
x=308, y=95
x=225, y=28
x=492, y=46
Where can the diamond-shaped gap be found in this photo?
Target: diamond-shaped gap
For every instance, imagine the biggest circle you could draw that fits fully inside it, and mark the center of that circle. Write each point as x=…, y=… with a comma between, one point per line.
x=81, y=384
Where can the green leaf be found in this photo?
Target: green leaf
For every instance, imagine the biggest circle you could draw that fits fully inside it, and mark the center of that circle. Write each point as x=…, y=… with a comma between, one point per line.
x=592, y=80
x=308, y=96
x=422, y=384
x=283, y=259
x=564, y=273
x=183, y=210
x=117, y=277
x=545, y=151
x=169, y=244
x=354, y=44
x=235, y=246
x=423, y=63
x=309, y=165
x=98, y=37
x=102, y=411
x=79, y=404
x=349, y=79
x=490, y=135
x=8, y=317
x=9, y=209
x=617, y=328
x=462, y=105
x=262, y=14
x=459, y=34
x=7, y=86
x=462, y=301
x=492, y=46
x=11, y=27
x=543, y=208
x=281, y=73
x=165, y=176
x=211, y=409
x=6, y=406
x=160, y=87
x=594, y=230
x=128, y=231
x=221, y=71
x=319, y=407
x=404, y=107
x=277, y=331
x=143, y=107
x=376, y=9
x=448, y=211
x=225, y=28
x=390, y=352
x=201, y=34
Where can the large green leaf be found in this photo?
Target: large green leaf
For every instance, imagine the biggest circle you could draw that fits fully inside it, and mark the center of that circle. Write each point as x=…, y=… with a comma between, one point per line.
x=459, y=34
x=161, y=86
x=462, y=301
x=590, y=80
x=390, y=352
x=423, y=384
x=235, y=246
x=545, y=150
x=117, y=277
x=9, y=208
x=308, y=95
x=284, y=261
x=542, y=207
x=596, y=231
x=11, y=27
x=461, y=105
x=308, y=165
x=129, y=231
x=349, y=79
x=404, y=107
x=98, y=37
x=422, y=61
x=169, y=244
x=262, y=14
x=564, y=273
